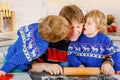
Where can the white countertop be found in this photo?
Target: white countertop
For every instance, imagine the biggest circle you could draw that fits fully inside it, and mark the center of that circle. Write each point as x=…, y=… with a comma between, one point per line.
x=9, y=35
x=7, y=38
x=114, y=37
x=25, y=76
x=16, y=76
x=116, y=76
x=21, y=76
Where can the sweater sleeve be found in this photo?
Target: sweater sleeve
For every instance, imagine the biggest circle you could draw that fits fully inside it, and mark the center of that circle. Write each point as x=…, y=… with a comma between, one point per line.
x=115, y=56
x=114, y=53
x=17, y=59
x=72, y=55
x=13, y=48
x=15, y=56
x=7, y=67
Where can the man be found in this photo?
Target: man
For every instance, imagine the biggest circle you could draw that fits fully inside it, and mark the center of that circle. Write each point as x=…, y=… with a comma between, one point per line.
x=56, y=54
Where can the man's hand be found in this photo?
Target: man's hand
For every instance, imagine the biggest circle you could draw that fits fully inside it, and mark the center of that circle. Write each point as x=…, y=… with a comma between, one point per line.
x=36, y=67
x=107, y=68
x=53, y=69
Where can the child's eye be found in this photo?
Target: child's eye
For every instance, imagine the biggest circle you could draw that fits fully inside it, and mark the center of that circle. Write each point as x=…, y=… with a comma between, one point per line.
x=88, y=23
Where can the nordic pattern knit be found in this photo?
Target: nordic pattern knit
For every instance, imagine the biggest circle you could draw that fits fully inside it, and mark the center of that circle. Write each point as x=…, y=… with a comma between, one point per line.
x=27, y=47
x=91, y=52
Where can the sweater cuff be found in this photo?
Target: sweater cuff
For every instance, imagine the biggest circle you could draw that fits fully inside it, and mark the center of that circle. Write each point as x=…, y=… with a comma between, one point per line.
x=117, y=67
x=7, y=67
x=76, y=64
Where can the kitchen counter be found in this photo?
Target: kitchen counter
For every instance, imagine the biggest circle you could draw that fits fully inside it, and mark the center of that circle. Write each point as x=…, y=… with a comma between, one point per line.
x=46, y=76
x=7, y=38
x=114, y=37
x=16, y=76
x=37, y=76
x=9, y=35
x=21, y=76
x=116, y=40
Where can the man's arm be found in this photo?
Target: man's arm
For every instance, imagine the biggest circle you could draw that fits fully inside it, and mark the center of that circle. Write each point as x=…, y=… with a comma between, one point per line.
x=53, y=69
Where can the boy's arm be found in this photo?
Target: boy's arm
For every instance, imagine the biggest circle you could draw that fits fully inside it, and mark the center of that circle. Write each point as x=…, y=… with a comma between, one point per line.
x=116, y=60
x=7, y=67
x=17, y=59
x=14, y=57
x=114, y=54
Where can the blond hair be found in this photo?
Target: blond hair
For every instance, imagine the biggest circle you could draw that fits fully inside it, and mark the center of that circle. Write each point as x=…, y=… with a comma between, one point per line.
x=72, y=13
x=53, y=28
x=99, y=18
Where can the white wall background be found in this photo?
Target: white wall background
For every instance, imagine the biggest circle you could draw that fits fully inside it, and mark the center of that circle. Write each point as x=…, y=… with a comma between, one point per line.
x=29, y=11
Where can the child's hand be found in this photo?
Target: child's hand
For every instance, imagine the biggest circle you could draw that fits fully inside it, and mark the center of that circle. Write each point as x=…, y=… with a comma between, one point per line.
x=2, y=73
x=107, y=68
x=118, y=72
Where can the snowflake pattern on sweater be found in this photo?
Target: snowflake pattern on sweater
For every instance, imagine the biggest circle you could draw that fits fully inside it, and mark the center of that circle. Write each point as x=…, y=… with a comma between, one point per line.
x=91, y=52
x=27, y=47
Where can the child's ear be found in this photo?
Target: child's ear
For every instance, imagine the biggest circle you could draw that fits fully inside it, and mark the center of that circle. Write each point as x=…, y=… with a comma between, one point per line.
x=98, y=29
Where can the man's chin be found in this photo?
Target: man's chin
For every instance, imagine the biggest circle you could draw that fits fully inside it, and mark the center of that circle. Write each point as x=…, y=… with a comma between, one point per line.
x=73, y=39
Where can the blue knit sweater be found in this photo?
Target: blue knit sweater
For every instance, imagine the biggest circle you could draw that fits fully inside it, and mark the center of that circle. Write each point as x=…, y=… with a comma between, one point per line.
x=27, y=47
x=91, y=52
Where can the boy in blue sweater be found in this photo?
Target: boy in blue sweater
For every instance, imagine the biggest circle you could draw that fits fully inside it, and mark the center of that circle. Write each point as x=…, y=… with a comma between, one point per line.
x=33, y=41
x=93, y=46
